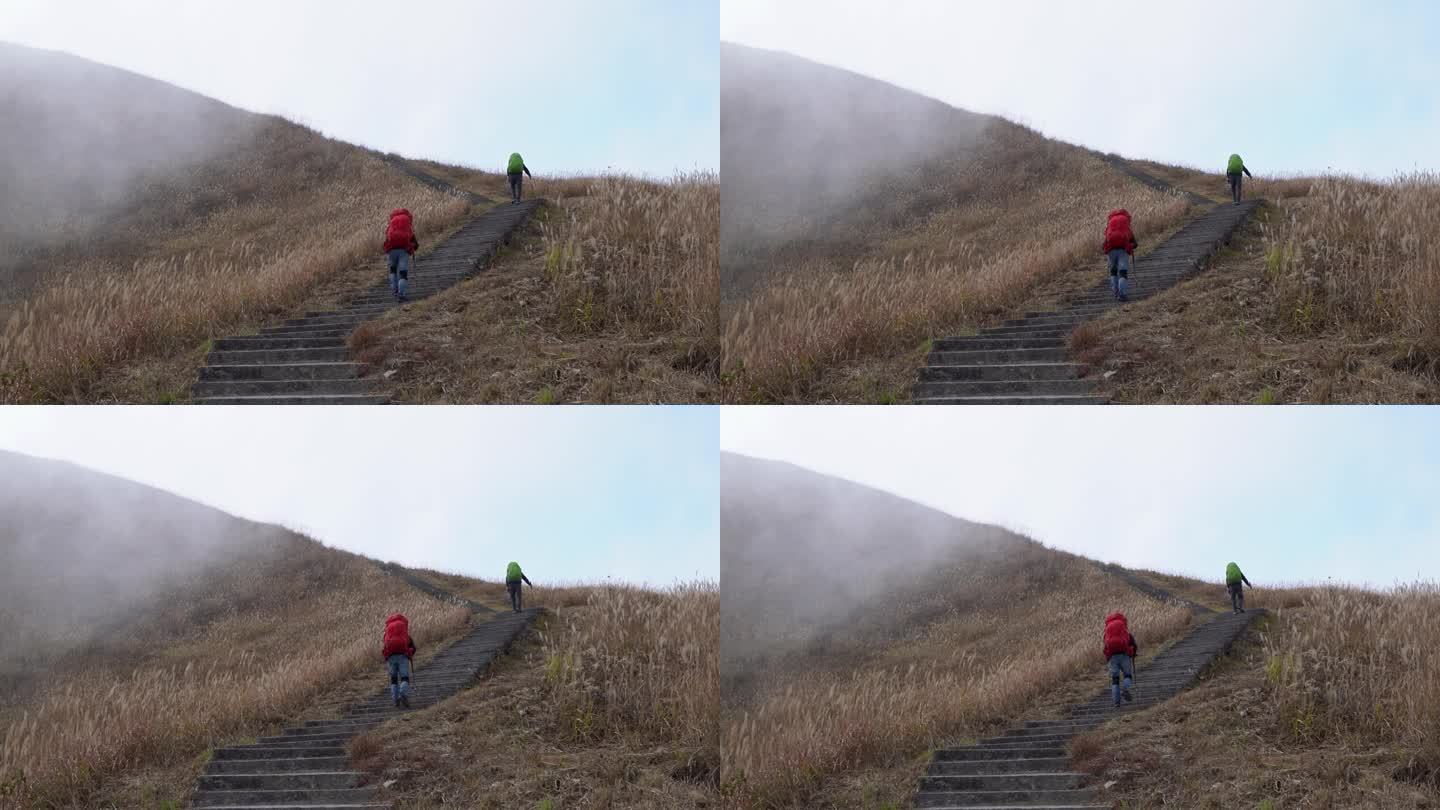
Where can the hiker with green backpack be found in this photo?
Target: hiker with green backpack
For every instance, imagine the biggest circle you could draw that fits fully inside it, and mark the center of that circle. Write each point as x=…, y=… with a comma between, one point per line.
x=513, y=170
x=1232, y=173
x=1233, y=578
x=513, y=578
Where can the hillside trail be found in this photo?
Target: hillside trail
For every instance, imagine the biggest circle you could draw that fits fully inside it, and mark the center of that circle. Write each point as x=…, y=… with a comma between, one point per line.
x=1026, y=360
x=307, y=766
x=306, y=360
x=1028, y=766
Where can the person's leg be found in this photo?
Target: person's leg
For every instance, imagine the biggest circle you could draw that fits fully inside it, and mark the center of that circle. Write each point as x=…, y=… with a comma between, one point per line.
x=1114, y=666
x=394, y=668
x=1124, y=275
x=1240, y=597
x=510, y=588
x=1113, y=264
x=393, y=260
x=1127, y=667
x=404, y=667
x=404, y=274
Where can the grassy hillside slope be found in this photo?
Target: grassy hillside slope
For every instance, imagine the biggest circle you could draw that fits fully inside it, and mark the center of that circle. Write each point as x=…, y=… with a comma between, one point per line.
x=145, y=629
x=1334, y=705
x=610, y=298
x=1331, y=297
x=859, y=630
x=614, y=703
x=150, y=218
x=860, y=220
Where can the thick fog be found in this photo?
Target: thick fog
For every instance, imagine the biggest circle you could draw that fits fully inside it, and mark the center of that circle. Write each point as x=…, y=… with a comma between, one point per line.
x=79, y=139
x=804, y=554
x=800, y=141
x=78, y=549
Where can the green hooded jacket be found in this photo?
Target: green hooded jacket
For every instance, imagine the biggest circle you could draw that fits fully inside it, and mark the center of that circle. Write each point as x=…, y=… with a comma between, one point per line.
x=1235, y=166
x=1232, y=574
x=517, y=165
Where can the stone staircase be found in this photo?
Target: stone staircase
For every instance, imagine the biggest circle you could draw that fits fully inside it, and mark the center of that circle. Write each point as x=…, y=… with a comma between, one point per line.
x=305, y=361
x=307, y=766
x=1028, y=766
x=1026, y=361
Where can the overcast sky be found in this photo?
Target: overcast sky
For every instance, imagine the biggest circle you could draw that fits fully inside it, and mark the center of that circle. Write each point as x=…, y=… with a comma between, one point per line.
x=574, y=85
x=1291, y=494
x=573, y=494
x=1295, y=86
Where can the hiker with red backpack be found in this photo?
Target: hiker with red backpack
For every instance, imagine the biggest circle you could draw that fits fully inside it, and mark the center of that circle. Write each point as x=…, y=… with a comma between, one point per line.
x=1120, y=652
x=400, y=247
x=1119, y=249
x=398, y=652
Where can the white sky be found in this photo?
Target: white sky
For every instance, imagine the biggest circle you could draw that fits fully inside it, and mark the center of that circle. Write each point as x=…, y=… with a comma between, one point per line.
x=571, y=84
x=1292, y=494
x=1295, y=86
x=573, y=494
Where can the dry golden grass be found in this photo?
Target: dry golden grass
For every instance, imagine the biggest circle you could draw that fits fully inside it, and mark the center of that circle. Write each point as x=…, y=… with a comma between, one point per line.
x=610, y=298
x=616, y=705
x=1334, y=707
x=1361, y=666
x=1029, y=626
x=1324, y=300
x=972, y=241
x=248, y=646
x=1362, y=253
x=249, y=234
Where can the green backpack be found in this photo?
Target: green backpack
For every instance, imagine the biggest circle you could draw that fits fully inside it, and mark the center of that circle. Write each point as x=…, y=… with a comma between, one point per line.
x=517, y=165
x=1236, y=165
x=512, y=572
x=1232, y=574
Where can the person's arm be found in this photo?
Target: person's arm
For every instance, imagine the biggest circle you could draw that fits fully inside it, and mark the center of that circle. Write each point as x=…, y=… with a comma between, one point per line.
x=414, y=245
x=411, y=642
x=527, y=580
x=1246, y=169
x=1246, y=581
x=1134, y=648
x=527, y=171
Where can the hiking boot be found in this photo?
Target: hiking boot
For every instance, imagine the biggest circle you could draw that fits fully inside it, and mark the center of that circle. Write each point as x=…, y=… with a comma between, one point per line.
x=397, y=702
x=1124, y=299
x=402, y=299
x=1125, y=693
x=405, y=701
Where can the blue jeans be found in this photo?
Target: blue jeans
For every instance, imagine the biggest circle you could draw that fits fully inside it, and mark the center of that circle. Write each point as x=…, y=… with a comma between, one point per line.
x=399, y=676
x=1120, y=664
x=1119, y=262
x=399, y=261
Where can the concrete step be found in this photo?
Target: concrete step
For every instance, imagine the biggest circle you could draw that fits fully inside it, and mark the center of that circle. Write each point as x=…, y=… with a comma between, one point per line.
x=998, y=371
x=342, y=797
x=267, y=357
x=992, y=766
x=281, y=371
x=241, y=388
x=1001, y=356
x=921, y=399
x=287, y=780
x=1009, y=782
x=974, y=343
x=1006, y=798
x=1041, y=330
x=279, y=751
x=306, y=332
x=970, y=388
x=295, y=399
x=983, y=752
x=262, y=342
x=273, y=765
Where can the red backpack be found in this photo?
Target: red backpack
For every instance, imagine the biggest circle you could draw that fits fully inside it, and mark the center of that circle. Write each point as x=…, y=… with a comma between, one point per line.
x=1118, y=235
x=397, y=636
x=1117, y=635
x=400, y=233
